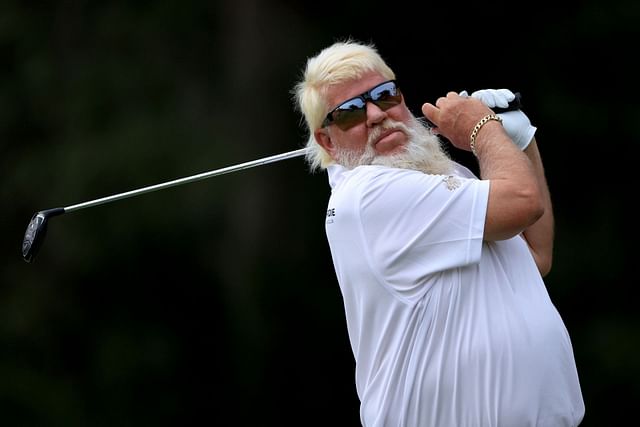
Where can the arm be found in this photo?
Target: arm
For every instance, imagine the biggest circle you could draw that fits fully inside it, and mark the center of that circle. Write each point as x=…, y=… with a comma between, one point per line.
x=540, y=235
x=515, y=198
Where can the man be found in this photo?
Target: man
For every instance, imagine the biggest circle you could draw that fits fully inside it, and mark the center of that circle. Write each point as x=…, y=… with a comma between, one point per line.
x=441, y=272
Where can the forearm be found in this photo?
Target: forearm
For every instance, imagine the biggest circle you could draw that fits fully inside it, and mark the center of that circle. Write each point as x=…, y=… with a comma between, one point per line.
x=514, y=197
x=540, y=235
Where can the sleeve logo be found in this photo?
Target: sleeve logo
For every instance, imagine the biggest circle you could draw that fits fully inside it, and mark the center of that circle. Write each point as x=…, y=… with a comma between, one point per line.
x=452, y=182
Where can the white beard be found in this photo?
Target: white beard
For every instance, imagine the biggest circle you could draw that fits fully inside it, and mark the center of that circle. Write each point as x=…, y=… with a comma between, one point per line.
x=423, y=152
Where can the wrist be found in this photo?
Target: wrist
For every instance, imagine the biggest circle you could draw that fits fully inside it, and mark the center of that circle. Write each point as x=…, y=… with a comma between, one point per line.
x=476, y=130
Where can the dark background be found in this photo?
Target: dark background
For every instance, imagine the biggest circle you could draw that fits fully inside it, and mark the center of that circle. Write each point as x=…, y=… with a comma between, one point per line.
x=217, y=301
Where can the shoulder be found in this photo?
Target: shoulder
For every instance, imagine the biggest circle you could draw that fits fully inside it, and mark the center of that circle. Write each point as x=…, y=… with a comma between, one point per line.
x=380, y=175
x=391, y=185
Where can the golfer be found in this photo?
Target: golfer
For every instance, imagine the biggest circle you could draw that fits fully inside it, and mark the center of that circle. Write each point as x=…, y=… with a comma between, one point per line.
x=441, y=272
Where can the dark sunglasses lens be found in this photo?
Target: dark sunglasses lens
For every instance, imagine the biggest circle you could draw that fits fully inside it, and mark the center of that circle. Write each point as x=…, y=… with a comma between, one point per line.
x=386, y=96
x=349, y=114
x=354, y=111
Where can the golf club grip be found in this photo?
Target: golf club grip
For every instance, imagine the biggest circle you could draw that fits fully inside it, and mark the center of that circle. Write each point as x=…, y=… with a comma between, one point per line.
x=515, y=104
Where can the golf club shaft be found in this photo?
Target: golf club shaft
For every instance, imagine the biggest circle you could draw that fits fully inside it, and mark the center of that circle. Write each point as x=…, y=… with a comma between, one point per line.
x=186, y=180
x=513, y=105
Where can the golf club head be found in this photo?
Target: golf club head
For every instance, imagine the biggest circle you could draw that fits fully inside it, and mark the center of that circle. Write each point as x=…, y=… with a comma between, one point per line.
x=36, y=230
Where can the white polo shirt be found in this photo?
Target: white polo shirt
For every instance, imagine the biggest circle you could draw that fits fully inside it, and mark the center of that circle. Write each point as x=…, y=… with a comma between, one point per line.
x=446, y=329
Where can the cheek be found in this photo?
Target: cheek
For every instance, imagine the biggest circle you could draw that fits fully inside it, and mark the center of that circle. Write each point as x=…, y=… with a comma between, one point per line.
x=400, y=113
x=354, y=137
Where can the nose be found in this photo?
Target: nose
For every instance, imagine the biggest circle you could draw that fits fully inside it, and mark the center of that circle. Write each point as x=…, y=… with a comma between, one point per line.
x=375, y=114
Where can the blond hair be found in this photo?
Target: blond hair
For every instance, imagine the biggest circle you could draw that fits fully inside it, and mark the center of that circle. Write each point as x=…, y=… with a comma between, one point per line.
x=338, y=63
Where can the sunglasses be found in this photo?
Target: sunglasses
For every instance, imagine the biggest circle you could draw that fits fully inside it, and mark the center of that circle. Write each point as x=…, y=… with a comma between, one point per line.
x=354, y=110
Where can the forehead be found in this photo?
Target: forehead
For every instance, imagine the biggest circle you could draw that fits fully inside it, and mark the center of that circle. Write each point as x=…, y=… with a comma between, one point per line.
x=338, y=93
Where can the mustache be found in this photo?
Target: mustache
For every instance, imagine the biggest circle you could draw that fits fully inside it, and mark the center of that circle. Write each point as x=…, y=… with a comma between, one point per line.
x=385, y=126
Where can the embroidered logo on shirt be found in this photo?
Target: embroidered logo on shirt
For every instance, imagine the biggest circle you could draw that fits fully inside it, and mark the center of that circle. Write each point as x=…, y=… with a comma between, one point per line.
x=452, y=182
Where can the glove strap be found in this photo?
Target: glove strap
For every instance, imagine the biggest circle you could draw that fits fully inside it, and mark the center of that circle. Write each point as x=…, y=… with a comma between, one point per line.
x=476, y=129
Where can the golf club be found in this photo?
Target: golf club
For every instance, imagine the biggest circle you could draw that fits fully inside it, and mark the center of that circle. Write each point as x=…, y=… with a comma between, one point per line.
x=37, y=228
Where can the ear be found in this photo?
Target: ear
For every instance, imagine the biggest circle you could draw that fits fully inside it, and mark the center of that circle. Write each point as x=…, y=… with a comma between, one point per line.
x=324, y=140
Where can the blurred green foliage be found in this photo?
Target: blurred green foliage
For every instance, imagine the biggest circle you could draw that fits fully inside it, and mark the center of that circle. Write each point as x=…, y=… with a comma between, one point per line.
x=217, y=301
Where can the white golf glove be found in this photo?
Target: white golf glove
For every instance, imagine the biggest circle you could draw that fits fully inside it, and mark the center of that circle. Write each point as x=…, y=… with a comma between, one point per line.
x=515, y=123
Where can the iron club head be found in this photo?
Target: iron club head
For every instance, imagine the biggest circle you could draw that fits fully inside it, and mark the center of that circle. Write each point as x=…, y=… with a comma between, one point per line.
x=36, y=230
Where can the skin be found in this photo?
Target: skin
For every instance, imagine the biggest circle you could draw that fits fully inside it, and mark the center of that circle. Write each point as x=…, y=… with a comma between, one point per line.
x=517, y=198
x=540, y=235
x=356, y=137
x=519, y=201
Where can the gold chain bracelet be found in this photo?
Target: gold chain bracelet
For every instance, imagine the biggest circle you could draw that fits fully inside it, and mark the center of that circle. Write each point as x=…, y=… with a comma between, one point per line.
x=476, y=129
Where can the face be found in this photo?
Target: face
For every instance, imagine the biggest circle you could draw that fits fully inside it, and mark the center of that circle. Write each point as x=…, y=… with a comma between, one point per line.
x=369, y=132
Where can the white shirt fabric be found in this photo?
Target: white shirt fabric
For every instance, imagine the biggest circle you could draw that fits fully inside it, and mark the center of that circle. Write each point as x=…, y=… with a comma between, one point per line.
x=446, y=329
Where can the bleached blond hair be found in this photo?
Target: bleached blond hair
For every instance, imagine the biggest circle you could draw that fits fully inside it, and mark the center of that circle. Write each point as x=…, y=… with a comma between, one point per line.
x=342, y=61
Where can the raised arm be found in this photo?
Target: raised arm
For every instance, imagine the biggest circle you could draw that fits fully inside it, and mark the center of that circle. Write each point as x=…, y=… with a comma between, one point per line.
x=516, y=201
x=540, y=235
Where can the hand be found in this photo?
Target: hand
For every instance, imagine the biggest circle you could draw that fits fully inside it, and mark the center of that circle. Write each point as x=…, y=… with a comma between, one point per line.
x=516, y=123
x=455, y=116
